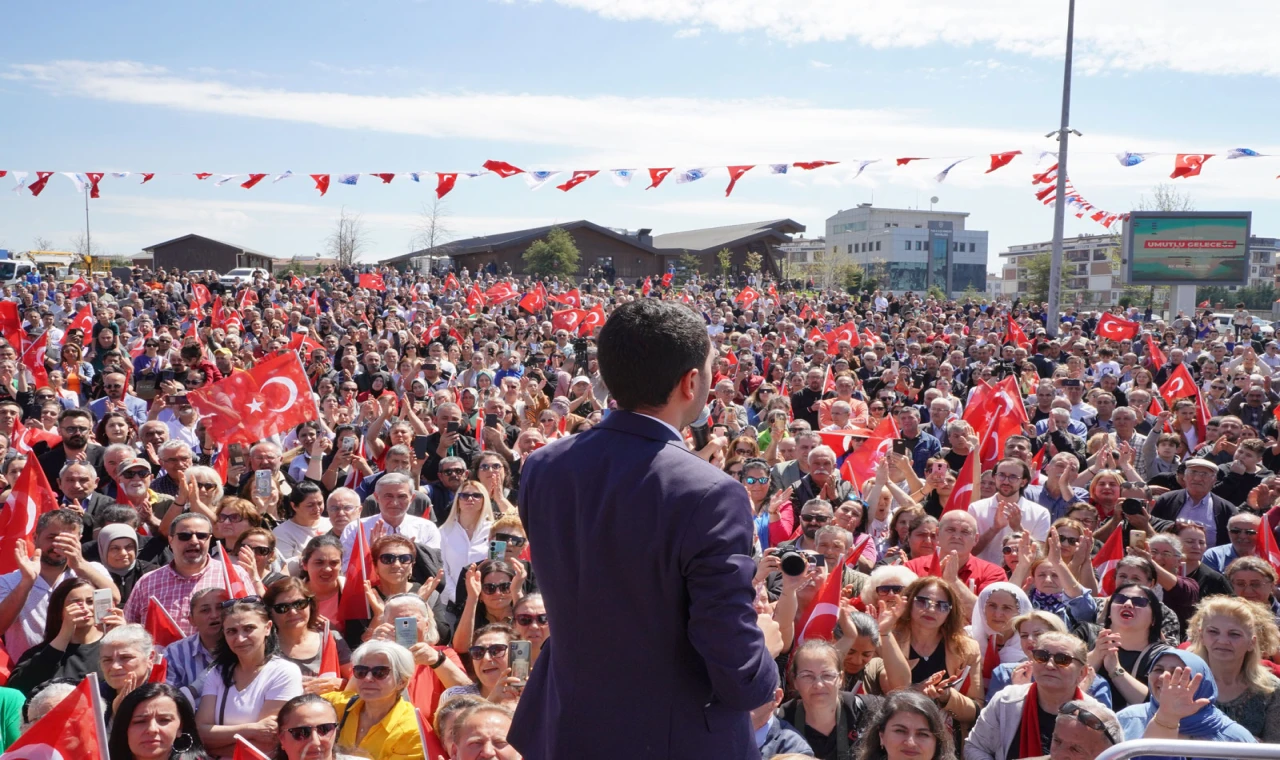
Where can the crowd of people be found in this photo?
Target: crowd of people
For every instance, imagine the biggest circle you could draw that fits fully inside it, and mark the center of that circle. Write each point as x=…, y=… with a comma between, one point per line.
x=985, y=631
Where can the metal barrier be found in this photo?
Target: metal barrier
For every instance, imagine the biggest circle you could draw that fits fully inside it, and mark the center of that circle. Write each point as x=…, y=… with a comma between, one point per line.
x=1184, y=748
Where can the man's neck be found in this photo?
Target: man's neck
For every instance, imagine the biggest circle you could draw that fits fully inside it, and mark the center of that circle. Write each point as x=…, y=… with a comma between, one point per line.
x=186, y=571
x=51, y=573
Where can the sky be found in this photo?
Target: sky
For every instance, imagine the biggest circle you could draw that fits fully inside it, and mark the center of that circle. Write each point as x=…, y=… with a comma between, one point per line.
x=331, y=86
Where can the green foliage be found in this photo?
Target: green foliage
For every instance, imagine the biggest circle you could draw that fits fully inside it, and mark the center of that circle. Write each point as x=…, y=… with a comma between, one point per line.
x=753, y=261
x=724, y=258
x=1038, y=277
x=554, y=255
x=936, y=293
x=852, y=276
x=971, y=294
x=1255, y=298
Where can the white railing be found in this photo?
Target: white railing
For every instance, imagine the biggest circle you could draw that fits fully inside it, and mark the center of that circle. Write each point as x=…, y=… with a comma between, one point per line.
x=1183, y=748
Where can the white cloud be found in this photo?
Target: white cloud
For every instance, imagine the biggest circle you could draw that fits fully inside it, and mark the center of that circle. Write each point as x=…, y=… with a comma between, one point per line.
x=1135, y=35
x=818, y=64
x=687, y=33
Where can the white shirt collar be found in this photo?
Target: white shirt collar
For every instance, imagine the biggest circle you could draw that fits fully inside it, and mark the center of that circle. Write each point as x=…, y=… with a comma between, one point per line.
x=665, y=424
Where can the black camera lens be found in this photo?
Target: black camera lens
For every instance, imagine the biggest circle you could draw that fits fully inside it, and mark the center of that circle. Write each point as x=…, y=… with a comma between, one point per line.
x=794, y=563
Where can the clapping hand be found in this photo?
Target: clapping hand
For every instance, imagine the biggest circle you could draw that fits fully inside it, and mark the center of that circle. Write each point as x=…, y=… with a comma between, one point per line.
x=1178, y=695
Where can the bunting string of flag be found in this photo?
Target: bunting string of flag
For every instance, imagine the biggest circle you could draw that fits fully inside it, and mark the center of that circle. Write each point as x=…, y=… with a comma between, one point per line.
x=1045, y=185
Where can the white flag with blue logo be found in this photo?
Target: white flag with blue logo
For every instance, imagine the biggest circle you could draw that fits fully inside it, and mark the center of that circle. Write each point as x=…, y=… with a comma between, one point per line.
x=224, y=179
x=863, y=165
x=1244, y=153
x=120, y=175
x=942, y=175
x=287, y=174
x=622, y=177
x=1131, y=159
x=690, y=175
x=778, y=168
x=79, y=180
x=537, y=180
x=348, y=179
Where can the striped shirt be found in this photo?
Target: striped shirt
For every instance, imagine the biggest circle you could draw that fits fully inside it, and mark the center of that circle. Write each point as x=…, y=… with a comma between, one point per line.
x=174, y=591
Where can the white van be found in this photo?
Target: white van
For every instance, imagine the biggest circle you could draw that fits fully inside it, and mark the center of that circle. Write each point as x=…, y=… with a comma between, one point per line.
x=14, y=271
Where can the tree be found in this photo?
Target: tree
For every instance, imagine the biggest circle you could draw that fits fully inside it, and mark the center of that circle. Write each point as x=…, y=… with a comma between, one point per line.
x=1038, y=277
x=725, y=259
x=1166, y=197
x=753, y=261
x=79, y=244
x=348, y=238
x=556, y=255
x=41, y=244
x=432, y=230
x=853, y=276
x=688, y=264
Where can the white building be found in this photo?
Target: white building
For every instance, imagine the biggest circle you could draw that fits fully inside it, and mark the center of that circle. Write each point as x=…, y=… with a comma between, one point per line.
x=803, y=250
x=911, y=249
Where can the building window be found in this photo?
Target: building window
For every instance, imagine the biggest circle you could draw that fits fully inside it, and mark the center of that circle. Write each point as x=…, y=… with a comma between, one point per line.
x=907, y=243
x=851, y=248
x=877, y=245
x=919, y=245
x=973, y=248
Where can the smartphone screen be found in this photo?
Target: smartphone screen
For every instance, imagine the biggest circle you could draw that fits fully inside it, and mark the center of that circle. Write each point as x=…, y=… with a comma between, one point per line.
x=491, y=420
x=521, y=655
x=420, y=446
x=101, y=604
x=406, y=631
x=453, y=427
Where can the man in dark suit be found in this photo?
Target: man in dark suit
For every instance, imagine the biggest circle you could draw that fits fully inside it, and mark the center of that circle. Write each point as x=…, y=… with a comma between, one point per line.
x=1195, y=502
x=643, y=555
x=78, y=482
x=75, y=426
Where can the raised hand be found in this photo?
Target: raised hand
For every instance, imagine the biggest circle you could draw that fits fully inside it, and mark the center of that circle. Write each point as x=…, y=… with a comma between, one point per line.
x=431, y=584
x=1178, y=695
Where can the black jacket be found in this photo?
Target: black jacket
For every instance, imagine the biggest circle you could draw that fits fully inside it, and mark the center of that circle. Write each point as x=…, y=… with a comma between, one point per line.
x=466, y=447
x=1166, y=508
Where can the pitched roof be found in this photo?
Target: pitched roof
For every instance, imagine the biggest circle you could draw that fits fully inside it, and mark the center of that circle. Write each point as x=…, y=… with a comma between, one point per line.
x=245, y=249
x=715, y=238
x=486, y=243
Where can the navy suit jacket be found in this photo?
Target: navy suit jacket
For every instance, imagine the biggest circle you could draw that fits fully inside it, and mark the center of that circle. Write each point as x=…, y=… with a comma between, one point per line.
x=643, y=555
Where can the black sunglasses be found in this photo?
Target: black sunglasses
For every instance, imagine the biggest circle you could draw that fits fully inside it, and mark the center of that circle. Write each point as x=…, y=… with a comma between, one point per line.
x=814, y=518
x=493, y=588
x=493, y=650
x=1137, y=601
x=379, y=672
x=529, y=619
x=261, y=551
x=303, y=733
x=229, y=603
x=1090, y=720
x=512, y=540
x=285, y=607
x=1245, y=531
x=1061, y=659
x=391, y=559
x=889, y=589
x=199, y=536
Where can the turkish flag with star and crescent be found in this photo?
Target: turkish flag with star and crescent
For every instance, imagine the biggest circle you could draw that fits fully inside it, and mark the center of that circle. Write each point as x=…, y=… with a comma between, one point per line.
x=572, y=298
x=860, y=466
x=78, y=289
x=1114, y=328
x=567, y=319
x=1179, y=385
x=31, y=497
x=72, y=729
x=247, y=407
x=591, y=320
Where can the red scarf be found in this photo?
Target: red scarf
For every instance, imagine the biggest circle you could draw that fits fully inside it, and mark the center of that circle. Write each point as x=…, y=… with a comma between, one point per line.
x=990, y=659
x=1029, y=739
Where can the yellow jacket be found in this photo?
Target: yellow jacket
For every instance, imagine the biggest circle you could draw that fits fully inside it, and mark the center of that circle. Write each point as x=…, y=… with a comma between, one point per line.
x=395, y=737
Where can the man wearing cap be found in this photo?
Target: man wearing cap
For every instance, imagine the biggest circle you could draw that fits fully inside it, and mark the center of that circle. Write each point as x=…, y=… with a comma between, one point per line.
x=133, y=489
x=1195, y=502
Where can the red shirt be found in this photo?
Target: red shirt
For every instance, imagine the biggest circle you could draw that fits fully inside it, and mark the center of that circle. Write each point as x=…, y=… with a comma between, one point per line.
x=977, y=573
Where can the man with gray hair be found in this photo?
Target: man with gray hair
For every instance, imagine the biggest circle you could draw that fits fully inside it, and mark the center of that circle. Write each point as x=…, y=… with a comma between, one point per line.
x=46, y=699
x=429, y=661
x=1083, y=730
x=394, y=494
x=176, y=458
x=822, y=481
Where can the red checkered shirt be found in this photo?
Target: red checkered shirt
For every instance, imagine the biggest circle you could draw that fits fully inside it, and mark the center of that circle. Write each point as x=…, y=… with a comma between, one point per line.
x=174, y=592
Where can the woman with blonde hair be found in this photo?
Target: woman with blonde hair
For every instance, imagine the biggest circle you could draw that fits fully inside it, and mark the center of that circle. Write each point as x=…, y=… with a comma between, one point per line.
x=1230, y=634
x=464, y=535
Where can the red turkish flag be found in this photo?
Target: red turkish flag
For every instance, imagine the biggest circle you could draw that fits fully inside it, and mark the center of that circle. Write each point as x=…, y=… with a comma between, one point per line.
x=735, y=173
x=747, y=297
x=502, y=168
x=1001, y=159
x=31, y=497
x=1045, y=177
x=42, y=179
x=203, y=175
x=273, y=397
x=666, y=280
x=475, y=299
x=329, y=664
x=74, y=728
x=572, y=298
x=245, y=750
x=445, y=181
x=1015, y=334
x=84, y=321
x=201, y=296
x=303, y=342
x=32, y=437
x=591, y=320
x=386, y=177
x=657, y=175
x=806, y=165
x=234, y=585
x=577, y=179
x=33, y=359
x=94, y=179
x=1157, y=356
x=533, y=303
x=1180, y=384
x=1189, y=164
x=354, y=604
x=819, y=620
x=146, y=177
x=162, y=627
x=647, y=286
x=847, y=332
x=372, y=281
x=451, y=282
x=861, y=465
x=1114, y=328
x=159, y=671
x=1267, y=548
x=295, y=283
x=567, y=319
x=1105, y=561
x=965, y=492
x=500, y=293
x=322, y=182
x=905, y=161
x=253, y=180
x=78, y=288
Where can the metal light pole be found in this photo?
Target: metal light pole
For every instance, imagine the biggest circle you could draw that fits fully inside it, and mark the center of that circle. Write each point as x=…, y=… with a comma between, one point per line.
x=88, y=245
x=1054, y=317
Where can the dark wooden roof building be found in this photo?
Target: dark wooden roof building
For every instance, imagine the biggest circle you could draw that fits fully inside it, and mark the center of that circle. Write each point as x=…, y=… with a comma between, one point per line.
x=199, y=252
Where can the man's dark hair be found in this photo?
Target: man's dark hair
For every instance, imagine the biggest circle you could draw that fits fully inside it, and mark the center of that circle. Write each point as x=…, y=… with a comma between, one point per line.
x=646, y=346
x=67, y=518
x=117, y=514
x=68, y=414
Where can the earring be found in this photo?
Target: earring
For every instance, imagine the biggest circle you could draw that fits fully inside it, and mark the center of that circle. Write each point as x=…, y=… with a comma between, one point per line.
x=183, y=743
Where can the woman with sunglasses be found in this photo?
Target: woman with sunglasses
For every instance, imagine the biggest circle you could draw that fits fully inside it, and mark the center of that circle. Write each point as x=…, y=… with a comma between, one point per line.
x=1029, y=628
x=493, y=586
x=255, y=551
x=464, y=535
x=488, y=665
x=1232, y=636
x=249, y=681
x=305, y=523
x=233, y=517
x=767, y=503
x=155, y=722
x=71, y=640
x=297, y=624
x=307, y=729
x=530, y=622
x=1128, y=643
x=491, y=471
x=923, y=644
x=1183, y=704
x=1019, y=721
x=378, y=721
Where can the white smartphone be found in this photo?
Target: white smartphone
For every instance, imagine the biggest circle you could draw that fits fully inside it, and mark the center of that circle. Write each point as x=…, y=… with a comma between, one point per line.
x=960, y=679
x=101, y=604
x=521, y=656
x=262, y=483
x=406, y=631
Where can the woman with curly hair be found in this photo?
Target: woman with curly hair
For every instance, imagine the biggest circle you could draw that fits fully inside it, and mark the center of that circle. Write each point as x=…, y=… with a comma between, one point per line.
x=1231, y=635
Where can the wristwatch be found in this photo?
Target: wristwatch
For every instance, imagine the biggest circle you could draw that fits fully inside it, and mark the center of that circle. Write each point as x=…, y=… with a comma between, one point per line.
x=1119, y=671
x=440, y=658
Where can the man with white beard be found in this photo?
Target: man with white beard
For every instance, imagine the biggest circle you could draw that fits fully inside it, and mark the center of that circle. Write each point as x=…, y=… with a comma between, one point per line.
x=133, y=489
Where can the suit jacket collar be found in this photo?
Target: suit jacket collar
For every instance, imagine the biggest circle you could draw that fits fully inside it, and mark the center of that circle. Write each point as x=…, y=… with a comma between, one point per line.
x=638, y=424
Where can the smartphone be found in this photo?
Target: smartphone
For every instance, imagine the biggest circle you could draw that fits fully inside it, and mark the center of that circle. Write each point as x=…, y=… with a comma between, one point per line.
x=497, y=549
x=262, y=483
x=453, y=427
x=101, y=604
x=958, y=681
x=519, y=657
x=899, y=446
x=406, y=631
x=491, y=420
x=236, y=451
x=1138, y=539
x=176, y=400
x=348, y=443
x=420, y=446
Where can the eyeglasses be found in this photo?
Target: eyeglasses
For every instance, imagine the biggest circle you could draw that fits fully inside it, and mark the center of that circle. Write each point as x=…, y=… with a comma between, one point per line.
x=261, y=551
x=815, y=518
x=825, y=679
x=229, y=603
x=491, y=467
x=511, y=539
x=391, y=559
x=889, y=588
x=1245, y=531
x=294, y=606
x=1069, y=540
x=494, y=651
x=207, y=486
x=1089, y=720
x=303, y=733
x=754, y=481
x=1061, y=659
x=743, y=452
x=185, y=536
x=925, y=603
x=527, y=620
x=1137, y=601
x=470, y=496
x=494, y=588
x=379, y=672
x=1007, y=550
x=230, y=517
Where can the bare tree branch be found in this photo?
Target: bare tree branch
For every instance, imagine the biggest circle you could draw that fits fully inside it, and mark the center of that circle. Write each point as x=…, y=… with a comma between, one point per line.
x=348, y=238
x=432, y=230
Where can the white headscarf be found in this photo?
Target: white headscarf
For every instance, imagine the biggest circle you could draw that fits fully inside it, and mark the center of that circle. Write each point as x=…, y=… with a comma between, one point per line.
x=978, y=629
